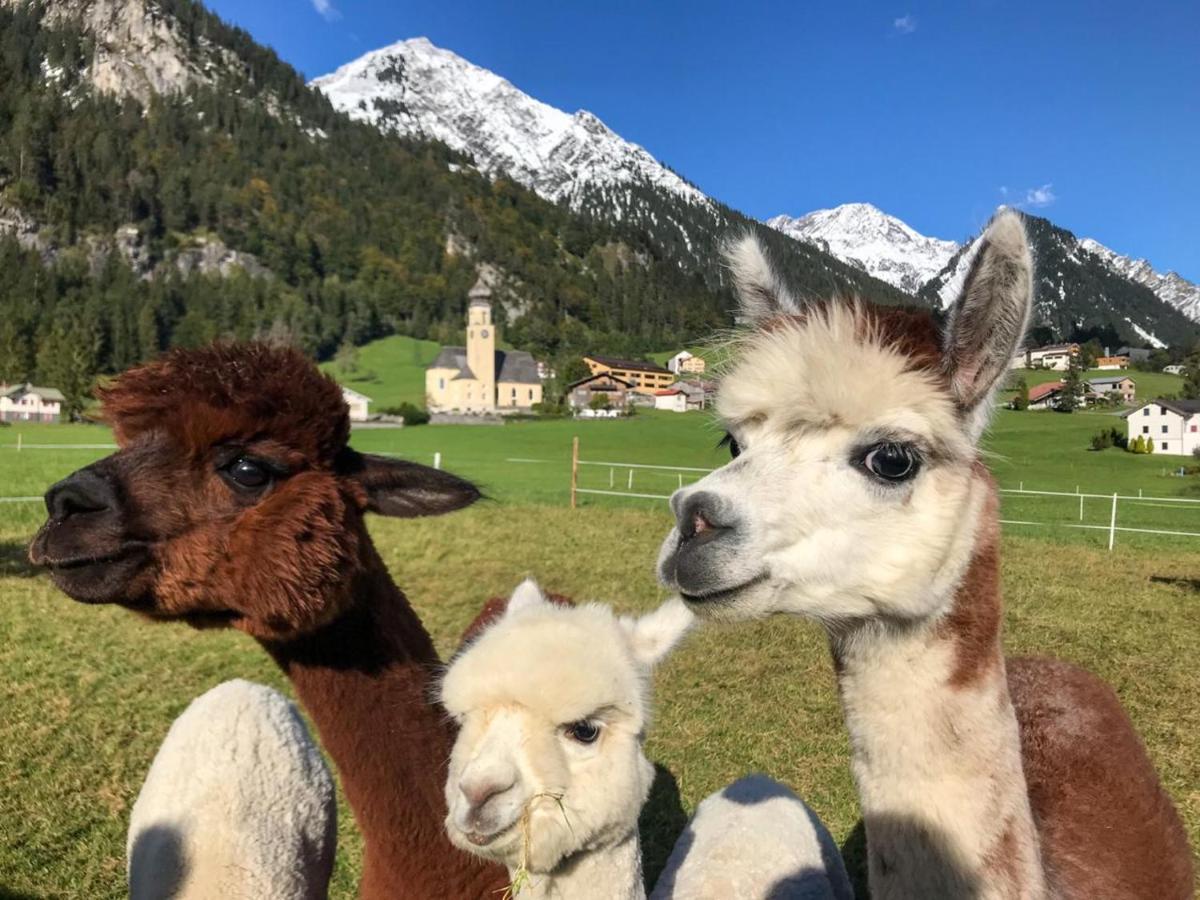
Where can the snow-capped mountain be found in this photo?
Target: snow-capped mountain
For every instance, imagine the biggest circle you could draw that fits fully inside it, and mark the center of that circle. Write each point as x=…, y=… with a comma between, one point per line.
x=1171, y=288
x=415, y=88
x=1078, y=289
x=865, y=236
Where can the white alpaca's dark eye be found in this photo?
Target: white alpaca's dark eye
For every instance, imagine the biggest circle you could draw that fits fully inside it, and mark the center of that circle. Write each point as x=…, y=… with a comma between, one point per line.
x=247, y=473
x=731, y=442
x=891, y=461
x=583, y=731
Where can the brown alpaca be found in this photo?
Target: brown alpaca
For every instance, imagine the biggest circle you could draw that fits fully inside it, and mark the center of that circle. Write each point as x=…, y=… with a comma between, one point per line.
x=234, y=501
x=857, y=498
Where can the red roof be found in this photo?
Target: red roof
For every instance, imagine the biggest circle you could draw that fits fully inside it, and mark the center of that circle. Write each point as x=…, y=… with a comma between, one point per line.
x=668, y=392
x=1042, y=391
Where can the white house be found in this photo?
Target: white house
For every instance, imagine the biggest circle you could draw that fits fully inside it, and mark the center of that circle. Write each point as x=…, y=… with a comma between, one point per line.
x=1173, y=425
x=27, y=403
x=1175, y=370
x=685, y=363
x=672, y=398
x=1054, y=356
x=359, y=404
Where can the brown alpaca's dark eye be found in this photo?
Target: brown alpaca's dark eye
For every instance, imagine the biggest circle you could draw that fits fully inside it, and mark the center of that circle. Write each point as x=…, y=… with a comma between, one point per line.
x=583, y=731
x=247, y=473
x=891, y=462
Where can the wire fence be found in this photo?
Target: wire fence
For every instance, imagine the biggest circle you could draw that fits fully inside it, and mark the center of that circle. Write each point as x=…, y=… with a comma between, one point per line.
x=1108, y=514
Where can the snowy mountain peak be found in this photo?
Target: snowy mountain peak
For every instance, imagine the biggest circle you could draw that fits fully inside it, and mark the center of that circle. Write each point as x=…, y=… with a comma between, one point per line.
x=864, y=236
x=415, y=88
x=1171, y=287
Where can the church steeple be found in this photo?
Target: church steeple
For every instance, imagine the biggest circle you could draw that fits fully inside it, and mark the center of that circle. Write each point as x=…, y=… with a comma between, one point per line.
x=481, y=346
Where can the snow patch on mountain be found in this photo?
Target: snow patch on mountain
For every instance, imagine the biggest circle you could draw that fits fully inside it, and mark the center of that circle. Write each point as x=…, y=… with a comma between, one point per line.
x=866, y=237
x=1172, y=288
x=417, y=89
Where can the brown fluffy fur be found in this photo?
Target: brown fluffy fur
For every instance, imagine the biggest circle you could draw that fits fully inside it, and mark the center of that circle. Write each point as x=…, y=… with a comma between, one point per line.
x=291, y=565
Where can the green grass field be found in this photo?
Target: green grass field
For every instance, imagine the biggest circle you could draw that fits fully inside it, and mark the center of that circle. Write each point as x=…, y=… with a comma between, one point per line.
x=1148, y=384
x=88, y=693
x=390, y=371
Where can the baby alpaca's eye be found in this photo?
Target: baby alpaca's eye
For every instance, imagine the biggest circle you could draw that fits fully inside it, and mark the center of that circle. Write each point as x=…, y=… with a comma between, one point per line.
x=583, y=731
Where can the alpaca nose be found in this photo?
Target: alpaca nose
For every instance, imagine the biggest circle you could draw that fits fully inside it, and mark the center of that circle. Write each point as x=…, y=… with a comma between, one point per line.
x=703, y=516
x=478, y=793
x=84, y=492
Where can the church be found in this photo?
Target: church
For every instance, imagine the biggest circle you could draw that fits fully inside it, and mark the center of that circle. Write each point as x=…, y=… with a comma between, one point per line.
x=478, y=378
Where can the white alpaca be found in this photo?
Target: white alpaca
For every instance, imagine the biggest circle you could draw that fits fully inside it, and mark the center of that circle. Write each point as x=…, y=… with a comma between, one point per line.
x=858, y=498
x=548, y=774
x=238, y=804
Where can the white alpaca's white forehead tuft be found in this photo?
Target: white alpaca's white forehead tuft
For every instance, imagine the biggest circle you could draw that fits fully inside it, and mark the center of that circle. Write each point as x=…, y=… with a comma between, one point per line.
x=829, y=369
x=561, y=663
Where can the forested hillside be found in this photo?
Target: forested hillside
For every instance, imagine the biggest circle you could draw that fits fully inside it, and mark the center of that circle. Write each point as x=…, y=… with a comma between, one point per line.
x=325, y=230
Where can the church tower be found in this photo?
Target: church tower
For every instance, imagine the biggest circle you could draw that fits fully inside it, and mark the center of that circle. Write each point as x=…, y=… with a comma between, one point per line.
x=481, y=349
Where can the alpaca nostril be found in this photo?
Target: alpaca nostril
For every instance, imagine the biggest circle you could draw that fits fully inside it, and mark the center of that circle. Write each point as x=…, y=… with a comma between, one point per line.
x=477, y=794
x=82, y=493
x=703, y=514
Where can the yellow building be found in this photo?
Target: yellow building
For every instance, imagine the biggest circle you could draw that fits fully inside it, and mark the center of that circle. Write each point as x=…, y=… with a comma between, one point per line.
x=478, y=378
x=646, y=377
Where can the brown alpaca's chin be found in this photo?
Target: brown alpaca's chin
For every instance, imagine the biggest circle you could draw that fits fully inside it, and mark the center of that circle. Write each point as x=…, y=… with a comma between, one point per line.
x=109, y=579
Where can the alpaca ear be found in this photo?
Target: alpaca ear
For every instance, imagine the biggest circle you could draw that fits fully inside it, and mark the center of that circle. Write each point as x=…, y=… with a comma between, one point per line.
x=396, y=487
x=656, y=634
x=761, y=295
x=527, y=596
x=989, y=318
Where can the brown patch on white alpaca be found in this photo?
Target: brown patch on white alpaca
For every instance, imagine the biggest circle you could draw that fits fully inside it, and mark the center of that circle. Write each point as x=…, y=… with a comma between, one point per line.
x=1108, y=827
x=973, y=623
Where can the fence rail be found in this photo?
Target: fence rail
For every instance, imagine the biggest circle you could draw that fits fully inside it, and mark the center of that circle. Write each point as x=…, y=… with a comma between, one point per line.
x=1141, y=500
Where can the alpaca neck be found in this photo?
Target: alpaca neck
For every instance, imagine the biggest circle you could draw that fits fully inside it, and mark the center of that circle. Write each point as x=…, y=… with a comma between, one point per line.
x=365, y=680
x=935, y=747
x=607, y=873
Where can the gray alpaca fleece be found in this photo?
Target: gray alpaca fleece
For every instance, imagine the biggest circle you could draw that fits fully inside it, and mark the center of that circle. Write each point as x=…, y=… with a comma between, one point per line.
x=238, y=804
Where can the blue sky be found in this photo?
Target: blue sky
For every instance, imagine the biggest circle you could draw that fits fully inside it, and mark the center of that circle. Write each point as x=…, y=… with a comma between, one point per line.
x=1087, y=113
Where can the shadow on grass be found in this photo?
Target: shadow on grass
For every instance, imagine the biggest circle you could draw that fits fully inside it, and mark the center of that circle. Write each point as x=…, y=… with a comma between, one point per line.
x=8, y=894
x=1189, y=584
x=14, y=563
x=660, y=824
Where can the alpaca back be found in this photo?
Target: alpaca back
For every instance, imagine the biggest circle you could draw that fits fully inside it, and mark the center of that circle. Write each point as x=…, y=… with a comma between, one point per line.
x=238, y=804
x=754, y=840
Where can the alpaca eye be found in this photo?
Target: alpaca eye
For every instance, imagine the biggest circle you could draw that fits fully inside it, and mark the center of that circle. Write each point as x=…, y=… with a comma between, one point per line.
x=247, y=473
x=891, y=462
x=583, y=731
x=731, y=442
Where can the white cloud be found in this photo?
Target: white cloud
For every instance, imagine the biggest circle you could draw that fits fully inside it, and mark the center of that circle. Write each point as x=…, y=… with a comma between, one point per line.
x=1003, y=190
x=327, y=10
x=1039, y=196
x=906, y=24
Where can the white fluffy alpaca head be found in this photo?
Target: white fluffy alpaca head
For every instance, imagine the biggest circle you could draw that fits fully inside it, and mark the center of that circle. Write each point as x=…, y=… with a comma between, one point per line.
x=854, y=493
x=553, y=703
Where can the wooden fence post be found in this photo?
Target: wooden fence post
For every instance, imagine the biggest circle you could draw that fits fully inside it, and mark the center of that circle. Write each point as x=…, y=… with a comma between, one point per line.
x=574, y=468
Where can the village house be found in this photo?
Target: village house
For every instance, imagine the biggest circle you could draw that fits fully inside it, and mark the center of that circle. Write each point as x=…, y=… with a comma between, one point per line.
x=584, y=394
x=478, y=378
x=1135, y=354
x=1173, y=425
x=685, y=363
x=683, y=396
x=1112, y=362
x=1053, y=356
x=1175, y=370
x=646, y=377
x=1118, y=385
x=1045, y=396
x=29, y=403
x=360, y=405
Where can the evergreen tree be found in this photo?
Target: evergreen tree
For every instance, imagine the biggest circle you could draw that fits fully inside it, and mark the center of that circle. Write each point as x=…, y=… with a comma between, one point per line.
x=1072, y=387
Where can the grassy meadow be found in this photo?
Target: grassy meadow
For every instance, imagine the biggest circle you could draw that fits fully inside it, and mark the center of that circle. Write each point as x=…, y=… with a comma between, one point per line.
x=390, y=371
x=87, y=694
